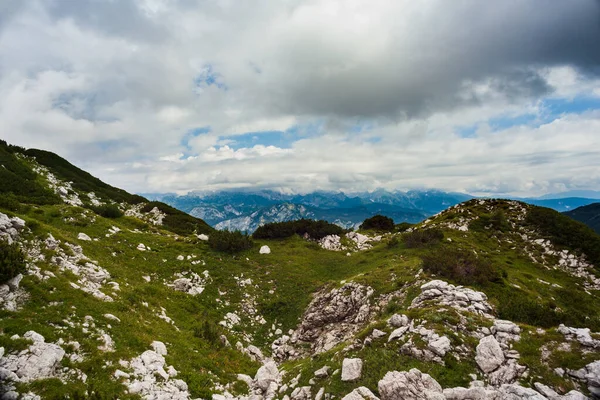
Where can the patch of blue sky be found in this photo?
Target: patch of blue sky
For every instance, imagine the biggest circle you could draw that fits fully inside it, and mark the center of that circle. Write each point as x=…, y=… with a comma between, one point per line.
x=209, y=77
x=467, y=131
x=265, y=138
x=185, y=140
x=576, y=105
x=550, y=109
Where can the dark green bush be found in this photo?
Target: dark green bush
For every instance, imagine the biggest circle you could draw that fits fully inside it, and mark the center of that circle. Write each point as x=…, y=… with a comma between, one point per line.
x=12, y=261
x=314, y=229
x=378, y=223
x=494, y=222
x=229, y=242
x=525, y=310
x=422, y=237
x=108, y=211
x=208, y=331
x=461, y=266
x=403, y=226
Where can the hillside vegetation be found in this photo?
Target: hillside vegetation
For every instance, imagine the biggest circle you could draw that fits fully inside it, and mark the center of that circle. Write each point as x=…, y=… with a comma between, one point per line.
x=589, y=215
x=487, y=299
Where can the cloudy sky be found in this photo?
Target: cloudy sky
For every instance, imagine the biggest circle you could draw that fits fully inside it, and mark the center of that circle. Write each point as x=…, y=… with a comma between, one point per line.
x=176, y=95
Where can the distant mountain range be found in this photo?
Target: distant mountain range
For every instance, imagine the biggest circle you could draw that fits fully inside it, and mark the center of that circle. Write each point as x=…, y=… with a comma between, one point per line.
x=247, y=210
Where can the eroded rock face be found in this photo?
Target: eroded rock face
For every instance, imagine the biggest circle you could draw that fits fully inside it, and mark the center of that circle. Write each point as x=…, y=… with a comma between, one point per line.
x=334, y=316
x=461, y=298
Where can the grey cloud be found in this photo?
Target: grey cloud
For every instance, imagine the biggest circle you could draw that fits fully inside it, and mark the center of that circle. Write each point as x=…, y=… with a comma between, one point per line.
x=122, y=18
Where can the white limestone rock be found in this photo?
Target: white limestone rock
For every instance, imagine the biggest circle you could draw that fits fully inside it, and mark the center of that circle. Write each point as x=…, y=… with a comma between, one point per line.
x=351, y=369
x=360, y=393
x=84, y=237
x=265, y=250
x=489, y=354
x=411, y=385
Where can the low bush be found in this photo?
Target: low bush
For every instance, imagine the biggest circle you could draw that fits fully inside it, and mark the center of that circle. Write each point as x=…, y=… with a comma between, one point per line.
x=422, y=237
x=229, y=242
x=494, y=222
x=403, y=226
x=378, y=223
x=12, y=261
x=207, y=331
x=314, y=229
x=107, y=211
x=461, y=266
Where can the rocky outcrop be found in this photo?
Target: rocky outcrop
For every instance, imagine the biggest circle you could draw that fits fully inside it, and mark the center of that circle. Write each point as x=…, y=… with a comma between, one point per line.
x=190, y=282
x=581, y=335
x=461, y=298
x=415, y=385
x=333, y=317
x=11, y=295
x=354, y=242
x=151, y=378
x=90, y=275
x=10, y=228
x=41, y=360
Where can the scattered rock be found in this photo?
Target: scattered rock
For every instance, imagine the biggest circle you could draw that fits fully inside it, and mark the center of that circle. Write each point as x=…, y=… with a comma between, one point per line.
x=84, y=237
x=265, y=250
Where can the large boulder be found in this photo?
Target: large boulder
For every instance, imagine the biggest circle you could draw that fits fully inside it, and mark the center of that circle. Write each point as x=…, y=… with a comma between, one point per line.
x=335, y=316
x=411, y=385
x=489, y=354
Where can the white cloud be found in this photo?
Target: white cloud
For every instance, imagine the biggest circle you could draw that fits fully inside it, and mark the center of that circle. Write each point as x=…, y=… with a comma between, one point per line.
x=377, y=91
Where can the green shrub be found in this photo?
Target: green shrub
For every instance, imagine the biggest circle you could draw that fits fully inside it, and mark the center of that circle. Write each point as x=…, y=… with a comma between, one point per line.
x=108, y=211
x=461, y=266
x=12, y=261
x=494, y=222
x=314, y=229
x=525, y=310
x=208, y=331
x=422, y=237
x=378, y=223
x=403, y=226
x=229, y=242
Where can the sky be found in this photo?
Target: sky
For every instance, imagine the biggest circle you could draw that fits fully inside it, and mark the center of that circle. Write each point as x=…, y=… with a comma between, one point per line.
x=481, y=97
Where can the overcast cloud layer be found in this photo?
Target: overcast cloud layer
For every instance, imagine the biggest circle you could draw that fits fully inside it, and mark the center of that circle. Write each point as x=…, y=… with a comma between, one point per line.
x=178, y=95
